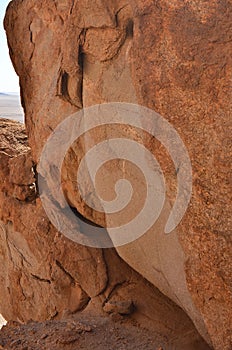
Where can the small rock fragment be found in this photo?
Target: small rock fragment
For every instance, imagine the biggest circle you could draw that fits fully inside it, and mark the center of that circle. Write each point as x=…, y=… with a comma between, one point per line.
x=119, y=307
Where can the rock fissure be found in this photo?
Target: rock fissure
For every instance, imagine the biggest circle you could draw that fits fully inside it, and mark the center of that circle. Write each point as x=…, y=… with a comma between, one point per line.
x=66, y=272
x=38, y=278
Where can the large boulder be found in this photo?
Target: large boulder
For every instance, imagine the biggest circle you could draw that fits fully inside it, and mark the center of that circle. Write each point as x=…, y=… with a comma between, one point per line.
x=173, y=57
x=45, y=276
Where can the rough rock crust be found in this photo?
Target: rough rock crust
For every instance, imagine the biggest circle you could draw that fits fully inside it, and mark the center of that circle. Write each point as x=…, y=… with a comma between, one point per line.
x=48, y=277
x=173, y=57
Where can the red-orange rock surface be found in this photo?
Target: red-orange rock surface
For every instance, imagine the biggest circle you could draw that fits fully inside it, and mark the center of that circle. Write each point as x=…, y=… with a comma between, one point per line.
x=171, y=56
x=45, y=276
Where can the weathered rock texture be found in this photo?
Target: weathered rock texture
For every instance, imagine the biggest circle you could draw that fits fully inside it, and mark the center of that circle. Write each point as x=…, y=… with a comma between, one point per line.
x=171, y=56
x=45, y=276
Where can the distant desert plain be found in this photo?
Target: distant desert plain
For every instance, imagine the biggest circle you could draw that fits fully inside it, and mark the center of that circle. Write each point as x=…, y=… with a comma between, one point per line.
x=10, y=107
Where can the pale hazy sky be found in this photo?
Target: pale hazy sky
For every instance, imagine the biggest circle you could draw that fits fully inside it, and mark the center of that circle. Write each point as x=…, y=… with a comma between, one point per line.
x=8, y=77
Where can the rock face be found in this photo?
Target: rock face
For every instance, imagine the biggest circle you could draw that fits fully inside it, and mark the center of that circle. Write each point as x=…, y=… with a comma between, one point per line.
x=171, y=56
x=46, y=276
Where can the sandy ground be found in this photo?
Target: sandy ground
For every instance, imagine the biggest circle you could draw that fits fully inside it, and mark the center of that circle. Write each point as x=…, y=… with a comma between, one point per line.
x=89, y=333
x=10, y=107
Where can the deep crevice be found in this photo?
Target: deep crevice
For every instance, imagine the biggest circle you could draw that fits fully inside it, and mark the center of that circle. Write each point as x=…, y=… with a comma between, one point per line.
x=64, y=84
x=130, y=28
x=40, y=279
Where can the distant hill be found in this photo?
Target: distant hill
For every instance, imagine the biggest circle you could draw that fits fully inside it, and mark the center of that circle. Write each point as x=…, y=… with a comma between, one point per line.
x=9, y=94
